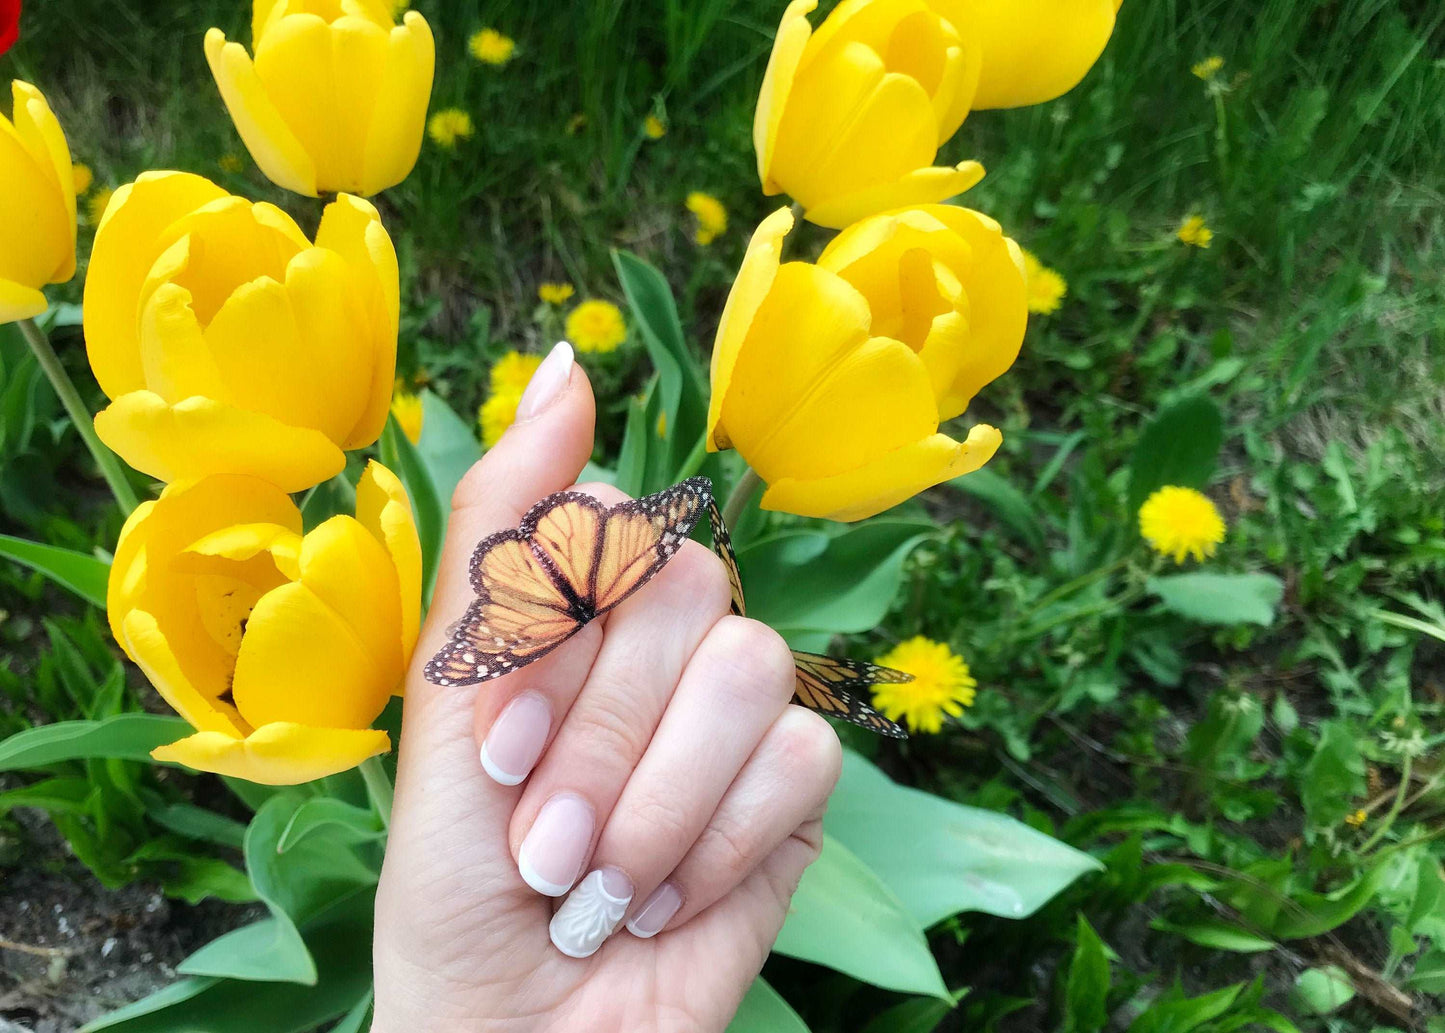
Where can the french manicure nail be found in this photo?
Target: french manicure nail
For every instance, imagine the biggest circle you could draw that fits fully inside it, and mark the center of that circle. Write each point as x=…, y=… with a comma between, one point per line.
x=656, y=912
x=591, y=912
x=551, y=856
x=547, y=383
x=516, y=739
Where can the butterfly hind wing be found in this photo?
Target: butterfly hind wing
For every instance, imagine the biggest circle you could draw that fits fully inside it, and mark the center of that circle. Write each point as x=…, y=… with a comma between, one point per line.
x=640, y=536
x=838, y=688
x=722, y=544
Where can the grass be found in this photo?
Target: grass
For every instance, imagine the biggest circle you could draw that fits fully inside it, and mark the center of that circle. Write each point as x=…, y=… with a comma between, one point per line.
x=1195, y=763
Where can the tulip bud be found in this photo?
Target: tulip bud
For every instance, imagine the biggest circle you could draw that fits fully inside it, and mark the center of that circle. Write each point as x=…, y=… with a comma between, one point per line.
x=37, y=205
x=831, y=379
x=280, y=649
x=228, y=342
x=336, y=97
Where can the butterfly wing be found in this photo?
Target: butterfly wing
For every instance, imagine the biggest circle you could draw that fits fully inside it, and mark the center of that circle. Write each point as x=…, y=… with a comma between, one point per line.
x=639, y=537
x=839, y=687
x=722, y=544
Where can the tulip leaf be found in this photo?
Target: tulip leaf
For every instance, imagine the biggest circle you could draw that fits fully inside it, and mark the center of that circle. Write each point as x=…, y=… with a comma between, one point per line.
x=915, y=1015
x=942, y=857
x=682, y=385
x=841, y=582
x=351, y=823
x=121, y=737
x=843, y=916
x=448, y=445
x=1010, y=505
x=1219, y=598
x=763, y=1010
x=79, y=572
x=1179, y=446
x=340, y=942
x=402, y=458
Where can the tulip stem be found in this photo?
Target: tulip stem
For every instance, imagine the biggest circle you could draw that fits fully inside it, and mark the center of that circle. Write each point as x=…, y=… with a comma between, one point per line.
x=738, y=499
x=378, y=787
x=80, y=416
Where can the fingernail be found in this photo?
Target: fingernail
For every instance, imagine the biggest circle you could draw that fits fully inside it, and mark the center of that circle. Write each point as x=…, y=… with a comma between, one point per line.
x=516, y=739
x=591, y=912
x=551, y=856
x=547, y=383
x=657, y=912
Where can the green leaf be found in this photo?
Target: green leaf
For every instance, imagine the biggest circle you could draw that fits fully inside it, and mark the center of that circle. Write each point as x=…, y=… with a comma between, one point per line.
x=194, y=822
x=1175, y=1013
x=400, y=456
x=448, y=446
x=82, y=574
x=844, y=917
x=1334, y=776
x=1220, y=598
x=1009, y=504
x=340, y=941
x=840, y=583
x=123, y=737
x=942, y=857
x=1429, y=974
x=1318, y=913
x=1216, y=933
x=1086, y=992
x=352, y=824
x=1179, y=446
x=918, y=1015
x=1322, y=990
x=763, y=1010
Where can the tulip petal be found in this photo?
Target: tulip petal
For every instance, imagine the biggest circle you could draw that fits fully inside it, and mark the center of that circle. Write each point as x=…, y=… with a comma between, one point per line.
x=754, y=281
x=278, y=754
x=326, y=650
x=146, y=644
x=199, y=436
x=886, y=481
x=32, y=209
x=393, y=140
x=20, y=302
x=38, y=127
x=352, y=228
x=383, y=508
x=921, y=186
x=788, y=46
x=275, y=148
x=125, y=248
x=359, y=53
x=174, y=354
x=246, y=541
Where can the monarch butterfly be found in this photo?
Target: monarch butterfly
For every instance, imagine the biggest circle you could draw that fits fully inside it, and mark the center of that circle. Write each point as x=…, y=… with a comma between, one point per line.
x=570, y=560
x=827, y=684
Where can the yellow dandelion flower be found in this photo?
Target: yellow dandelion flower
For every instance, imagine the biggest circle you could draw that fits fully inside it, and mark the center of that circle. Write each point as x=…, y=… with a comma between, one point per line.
x=448, y=126
x=513, y=372
x=1356, y=819
x=941, y=686
x=407, y=409
x=231, y=163
x=576, y=124
x=555, y=293
x=654, y=127
x=1046, y=287
x=712, y=217
x=497, y=414
x=491, y=48
x=83, y=177
x=1208, y=68
x=662, y=425
x=1179, y=522
x=596, y=326
x=96, y=204
x=1195, y=232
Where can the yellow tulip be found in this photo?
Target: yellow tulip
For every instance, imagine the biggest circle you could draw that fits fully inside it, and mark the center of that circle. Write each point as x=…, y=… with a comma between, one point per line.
x=228, y=342
x=831, y=379
x=37, y=205
x=1033, y=50
x=851, y=117
x=279, y=648
x=336, y=96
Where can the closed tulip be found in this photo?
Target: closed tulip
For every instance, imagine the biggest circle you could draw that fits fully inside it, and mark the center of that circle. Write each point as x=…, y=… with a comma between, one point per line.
x=228, y=342
x=279, y=648
x=1033, y=50
x=336, y=97
x=831, y=379
x=850, y=117
x=37, y=205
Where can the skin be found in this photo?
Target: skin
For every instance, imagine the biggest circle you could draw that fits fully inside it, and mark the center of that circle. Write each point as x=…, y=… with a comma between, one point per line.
x=670, y=717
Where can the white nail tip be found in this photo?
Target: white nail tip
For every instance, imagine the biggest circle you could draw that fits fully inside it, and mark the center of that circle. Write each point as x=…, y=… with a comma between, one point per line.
x=541, y=885
x=587, y=918
x=499, y=776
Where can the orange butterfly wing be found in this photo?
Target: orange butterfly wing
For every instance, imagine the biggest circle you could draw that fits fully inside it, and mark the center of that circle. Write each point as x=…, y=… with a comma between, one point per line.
x=832, y=686
x=571, y=560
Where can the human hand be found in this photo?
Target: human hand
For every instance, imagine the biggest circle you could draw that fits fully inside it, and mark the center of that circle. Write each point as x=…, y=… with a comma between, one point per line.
x=653, y=756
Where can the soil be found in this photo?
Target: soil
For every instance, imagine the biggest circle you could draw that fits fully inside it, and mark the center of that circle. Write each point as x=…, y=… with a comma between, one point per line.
x=72, y=950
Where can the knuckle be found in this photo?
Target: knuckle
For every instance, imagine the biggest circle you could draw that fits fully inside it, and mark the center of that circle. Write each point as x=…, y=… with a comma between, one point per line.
x=700, y=574
x=607, y=727
x=658, y=816
x=753, y=659
x=728, y=848
x=810, y=748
